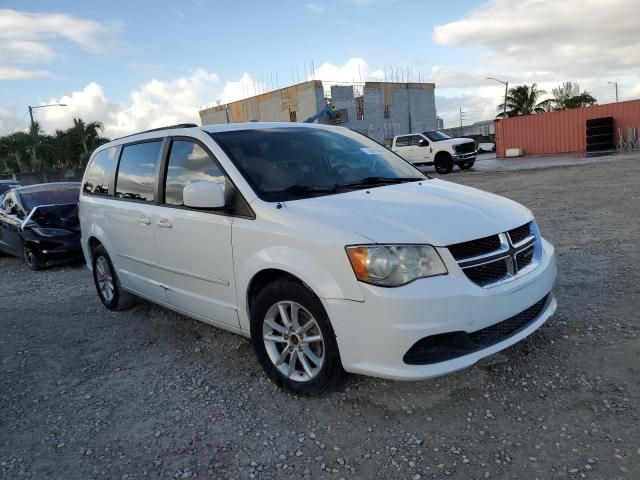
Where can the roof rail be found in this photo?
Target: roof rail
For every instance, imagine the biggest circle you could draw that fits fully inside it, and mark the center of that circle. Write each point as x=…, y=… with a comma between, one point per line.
x=168, y=127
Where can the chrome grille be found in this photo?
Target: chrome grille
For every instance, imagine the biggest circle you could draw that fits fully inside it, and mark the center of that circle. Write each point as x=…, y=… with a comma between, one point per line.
x=493, y=260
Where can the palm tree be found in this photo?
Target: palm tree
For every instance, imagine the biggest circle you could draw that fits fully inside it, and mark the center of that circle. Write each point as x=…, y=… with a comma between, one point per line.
x=523, y=100
x=17, y=147
x=87, y=133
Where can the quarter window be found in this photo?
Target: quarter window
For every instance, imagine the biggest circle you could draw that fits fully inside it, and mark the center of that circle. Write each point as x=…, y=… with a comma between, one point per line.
x=137, y=171
x=188, y=163
x=100, y=173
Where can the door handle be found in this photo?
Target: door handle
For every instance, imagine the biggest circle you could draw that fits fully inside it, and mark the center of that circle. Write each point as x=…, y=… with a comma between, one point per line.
x=164, y=223
x=144, y=221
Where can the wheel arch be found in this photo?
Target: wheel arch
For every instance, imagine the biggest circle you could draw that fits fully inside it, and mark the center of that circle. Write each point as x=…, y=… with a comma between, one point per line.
x=275, y=263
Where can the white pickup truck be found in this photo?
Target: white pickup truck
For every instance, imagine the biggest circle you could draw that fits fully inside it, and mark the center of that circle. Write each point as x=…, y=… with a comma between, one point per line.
x=436, y=148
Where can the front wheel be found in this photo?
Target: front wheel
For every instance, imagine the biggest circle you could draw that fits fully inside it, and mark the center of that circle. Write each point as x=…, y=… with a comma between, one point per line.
x=467, y=165
x=293, y=339
x=30, y=257
x=443, y=163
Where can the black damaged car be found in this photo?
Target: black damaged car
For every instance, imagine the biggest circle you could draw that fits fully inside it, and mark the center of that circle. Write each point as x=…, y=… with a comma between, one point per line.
x=40, y=224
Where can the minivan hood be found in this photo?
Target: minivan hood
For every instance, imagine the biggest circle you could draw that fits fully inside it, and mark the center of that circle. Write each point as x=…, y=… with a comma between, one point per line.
x=432, y=211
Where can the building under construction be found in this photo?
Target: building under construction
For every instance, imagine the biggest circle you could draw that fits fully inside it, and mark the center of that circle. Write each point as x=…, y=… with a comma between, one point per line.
x=379, y=110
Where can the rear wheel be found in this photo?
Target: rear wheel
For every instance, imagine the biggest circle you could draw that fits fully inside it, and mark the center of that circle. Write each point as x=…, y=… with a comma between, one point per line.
x=443, y=163
x=111, y=293
x=293, y=339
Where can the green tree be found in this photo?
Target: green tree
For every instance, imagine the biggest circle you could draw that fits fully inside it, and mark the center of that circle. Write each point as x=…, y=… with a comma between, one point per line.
x=15, y=150
x=568, y=95
x=523, y=100
x=88, y=134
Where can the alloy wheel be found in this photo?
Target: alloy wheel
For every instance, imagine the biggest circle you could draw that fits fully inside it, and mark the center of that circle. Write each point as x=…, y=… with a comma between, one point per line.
x=293, y=341
x=104, y=278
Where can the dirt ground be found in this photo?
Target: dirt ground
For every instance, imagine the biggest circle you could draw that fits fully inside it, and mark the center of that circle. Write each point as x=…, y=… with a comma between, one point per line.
x=89, y=394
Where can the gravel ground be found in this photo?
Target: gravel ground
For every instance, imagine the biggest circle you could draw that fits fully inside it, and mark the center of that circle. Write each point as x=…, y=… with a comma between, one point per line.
x=85, y=393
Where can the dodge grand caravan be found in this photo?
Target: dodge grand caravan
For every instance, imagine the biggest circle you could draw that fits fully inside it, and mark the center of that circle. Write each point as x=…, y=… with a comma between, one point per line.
x=329, y=251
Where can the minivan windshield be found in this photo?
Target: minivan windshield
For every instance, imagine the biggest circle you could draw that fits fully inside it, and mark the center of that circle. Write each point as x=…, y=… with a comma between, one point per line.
x=436, y=136
x=291, y=163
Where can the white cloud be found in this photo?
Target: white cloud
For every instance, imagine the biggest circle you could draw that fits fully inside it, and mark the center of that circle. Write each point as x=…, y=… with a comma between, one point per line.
x=90, y=35
x=572, y=38
x=153, y=104
x=29, y=38
x=14, y=73
x=354, y=70
x=314, y=8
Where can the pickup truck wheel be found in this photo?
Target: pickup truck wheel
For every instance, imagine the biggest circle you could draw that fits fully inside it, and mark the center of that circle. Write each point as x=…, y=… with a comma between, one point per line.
x=111, y=293
x=293, y=339
x=467, y=165
x=443, y=163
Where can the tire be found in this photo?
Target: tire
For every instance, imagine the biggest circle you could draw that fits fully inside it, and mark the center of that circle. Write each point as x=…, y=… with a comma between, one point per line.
x=105, y=278
x=443, y=163
x=467, y=165
x=323, y=369
x=30, y=258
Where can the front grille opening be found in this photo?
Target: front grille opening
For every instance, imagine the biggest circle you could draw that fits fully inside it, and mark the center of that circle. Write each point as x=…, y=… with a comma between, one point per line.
x=474, y=248
x=512, y=325
x=466, y=147
x=519, y=234
x=488, y=273
x=524, y=257
x=447, y=346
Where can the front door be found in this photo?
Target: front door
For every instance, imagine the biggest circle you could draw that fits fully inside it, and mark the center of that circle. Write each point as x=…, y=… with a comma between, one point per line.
x=420, y=149
x=129, y=218
x=11, y=217
x=194, y=246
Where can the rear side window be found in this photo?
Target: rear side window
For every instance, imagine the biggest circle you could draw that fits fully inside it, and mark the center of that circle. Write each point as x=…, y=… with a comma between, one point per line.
x=100, y=173
x=137, y=171
x=402, y=142
x=188, y=163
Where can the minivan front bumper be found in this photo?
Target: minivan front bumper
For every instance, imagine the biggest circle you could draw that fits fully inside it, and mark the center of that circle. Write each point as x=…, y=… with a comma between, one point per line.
x=374, y=336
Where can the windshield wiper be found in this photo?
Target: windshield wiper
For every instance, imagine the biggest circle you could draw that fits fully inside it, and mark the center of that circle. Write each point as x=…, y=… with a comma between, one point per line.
x=305, y=189
x=370, y=181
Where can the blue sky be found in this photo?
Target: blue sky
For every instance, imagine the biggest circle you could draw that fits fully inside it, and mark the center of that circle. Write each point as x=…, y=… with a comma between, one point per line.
x=120, y=62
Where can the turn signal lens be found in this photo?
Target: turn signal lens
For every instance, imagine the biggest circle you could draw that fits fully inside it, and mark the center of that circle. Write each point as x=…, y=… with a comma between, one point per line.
x=394, y=265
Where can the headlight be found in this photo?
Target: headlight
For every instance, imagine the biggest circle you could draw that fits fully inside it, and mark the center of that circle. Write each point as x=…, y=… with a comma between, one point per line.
x=50, y=232
x=394, y=265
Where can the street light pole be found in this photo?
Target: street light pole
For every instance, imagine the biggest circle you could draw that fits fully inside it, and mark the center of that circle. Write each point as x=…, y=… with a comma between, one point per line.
x=506, y=92
x=616, y=85
x=34, y=133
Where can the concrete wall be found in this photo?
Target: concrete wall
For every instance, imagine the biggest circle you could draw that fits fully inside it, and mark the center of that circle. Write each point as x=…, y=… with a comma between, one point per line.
x=480, y=132
x=412, y=107
x=46, y=176
x=305, y=99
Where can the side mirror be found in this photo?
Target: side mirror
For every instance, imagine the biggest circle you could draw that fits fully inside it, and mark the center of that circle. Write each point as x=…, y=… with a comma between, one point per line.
x=423, y=143
x=203, y=195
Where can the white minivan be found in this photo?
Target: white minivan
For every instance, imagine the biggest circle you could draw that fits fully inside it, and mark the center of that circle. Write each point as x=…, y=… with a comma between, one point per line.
x=329, y=251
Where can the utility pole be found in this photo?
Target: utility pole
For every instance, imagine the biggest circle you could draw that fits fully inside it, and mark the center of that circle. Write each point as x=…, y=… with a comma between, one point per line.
x=506, y=92
x=616, y=85
x=461, y=116
x=34, y=133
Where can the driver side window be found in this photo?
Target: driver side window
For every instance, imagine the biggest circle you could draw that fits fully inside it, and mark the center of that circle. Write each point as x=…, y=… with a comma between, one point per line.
x=8, y=202
x=189, y=163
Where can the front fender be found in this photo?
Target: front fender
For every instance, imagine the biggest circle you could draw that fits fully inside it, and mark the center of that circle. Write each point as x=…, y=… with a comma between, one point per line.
x=333, y=279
